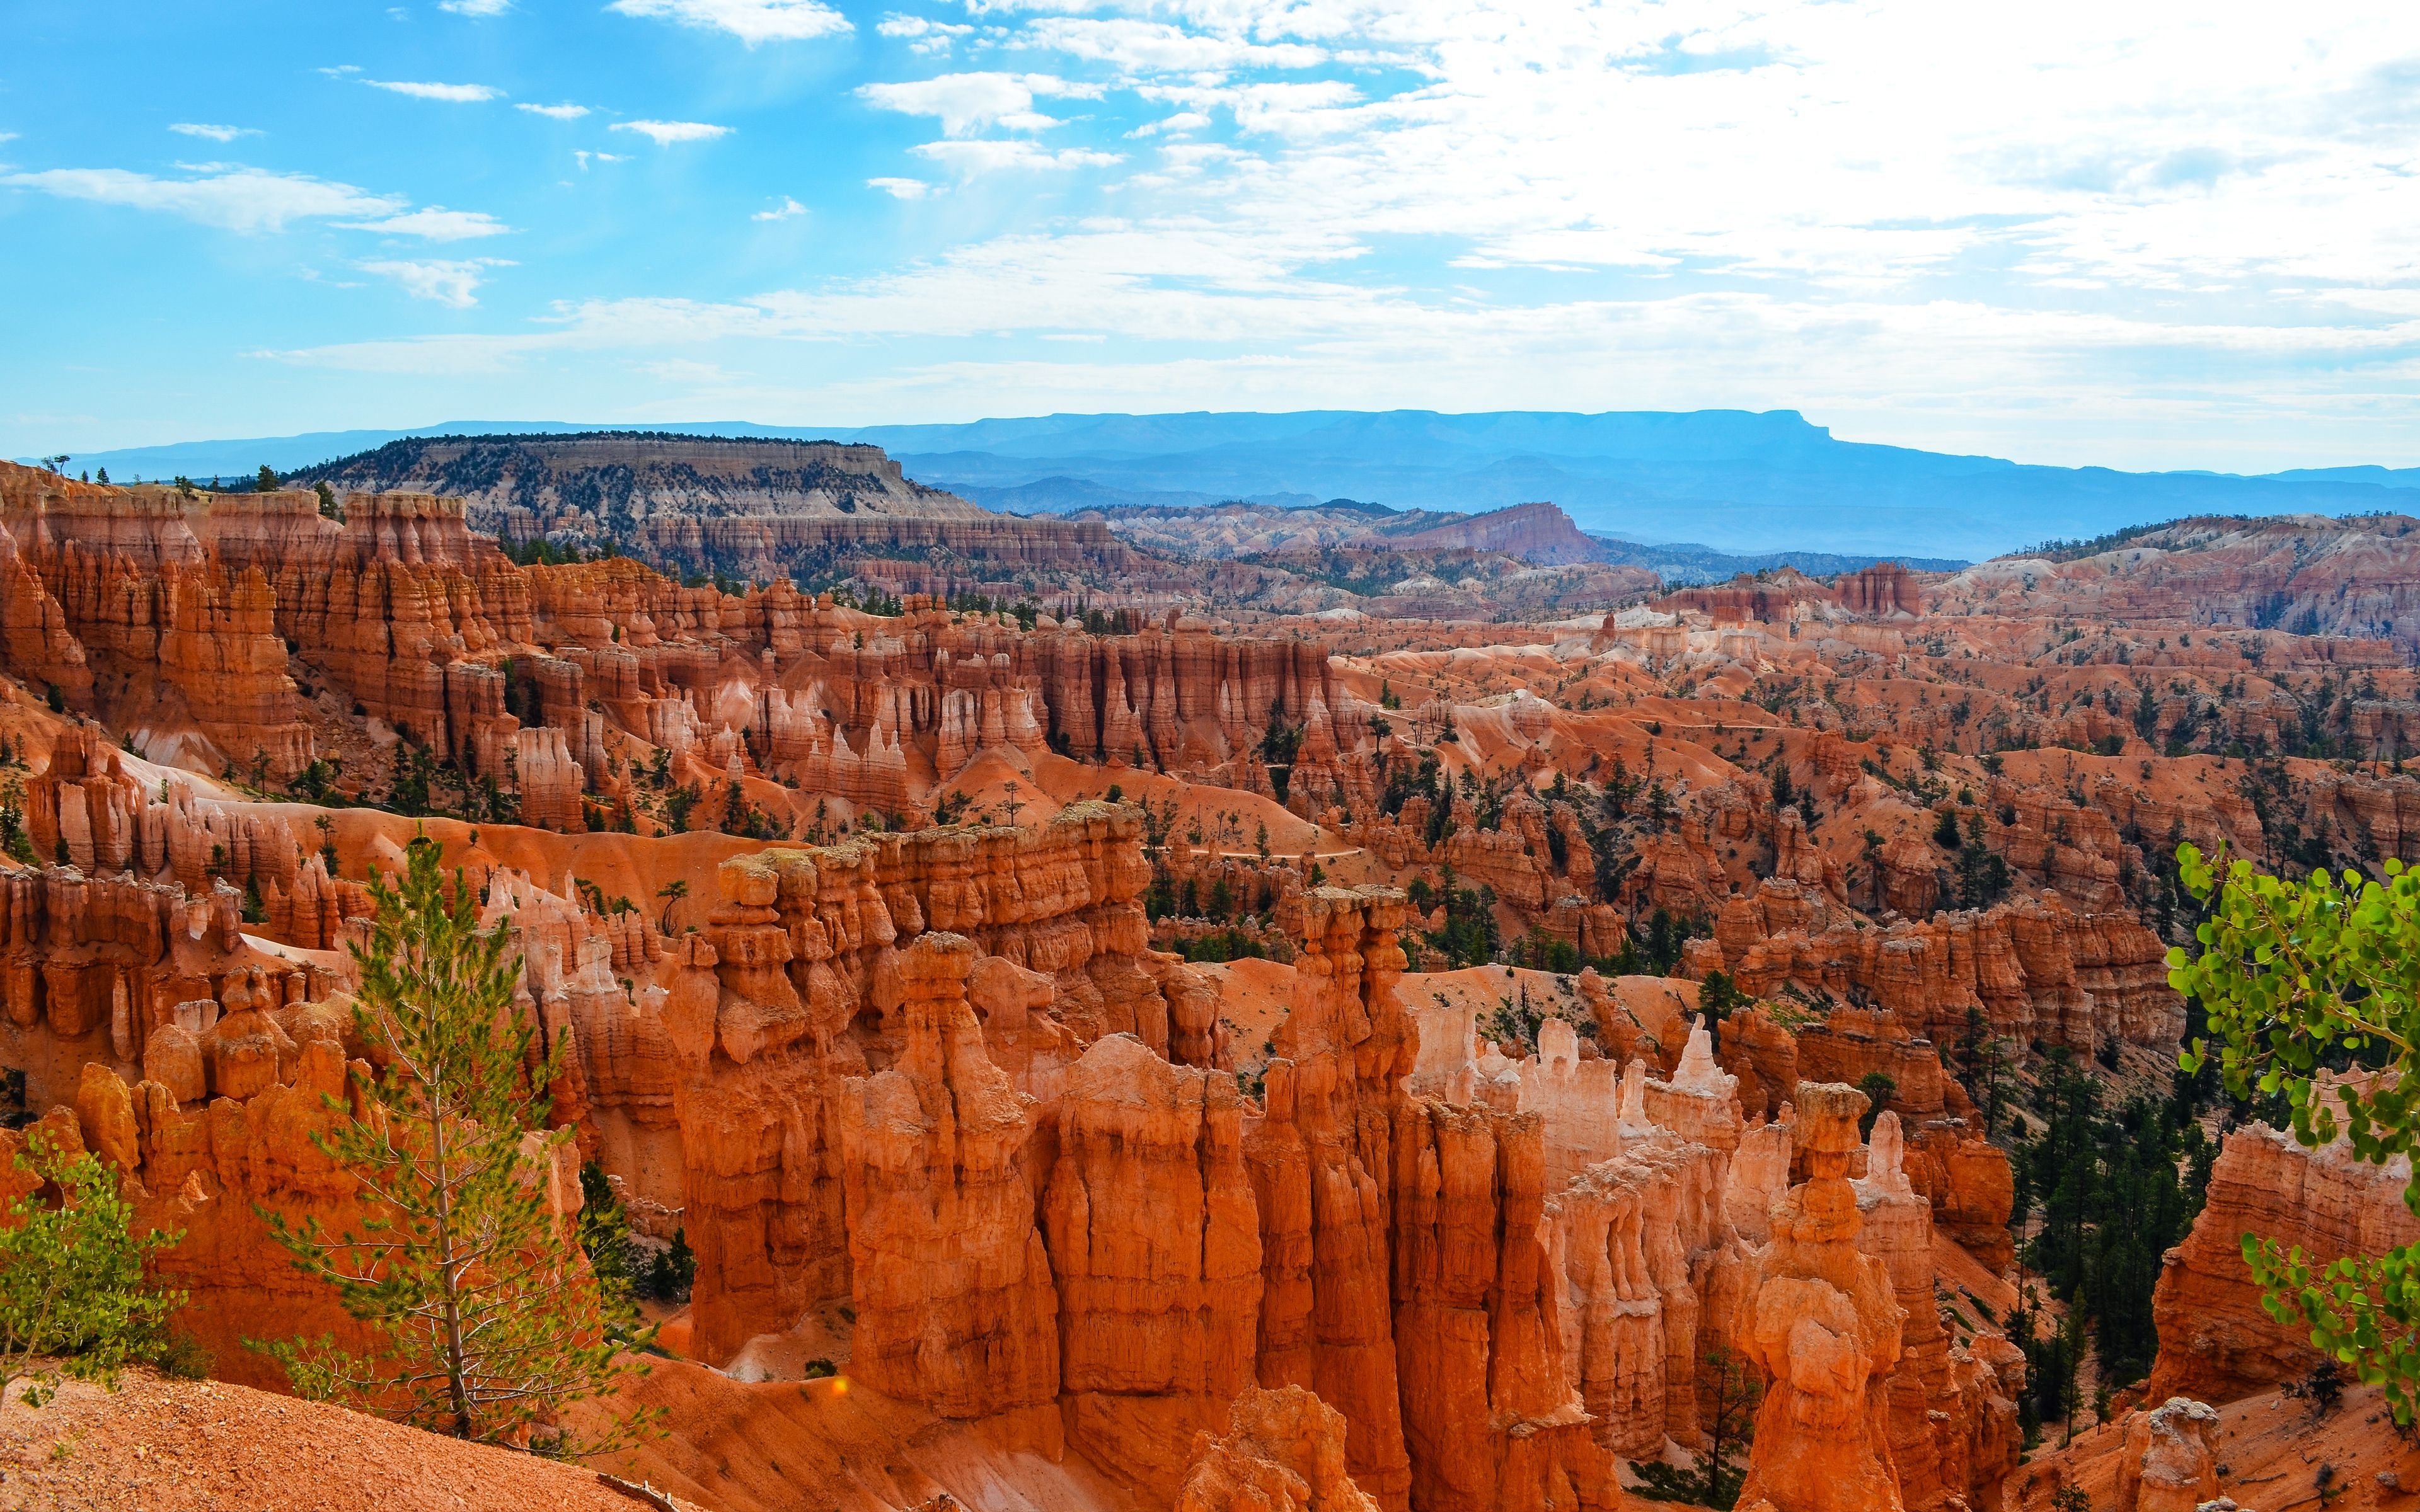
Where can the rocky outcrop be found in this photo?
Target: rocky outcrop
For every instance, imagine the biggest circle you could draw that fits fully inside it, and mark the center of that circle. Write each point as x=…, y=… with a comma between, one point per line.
x=1156, y=1245
x=753, y=507
x=952, y=1285
x=1477, y=1332
x=1820, y=1320
x=1954, y=1430
x=2353, y=577
x=1283, y=1451
x=2169, y=1462
x=1320, y=1164
x=2216, y=1341
x=2038, y=971
x=1535, y=532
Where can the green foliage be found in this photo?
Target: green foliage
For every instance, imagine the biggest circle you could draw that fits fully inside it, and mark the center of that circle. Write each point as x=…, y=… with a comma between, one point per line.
x=329, y=508
x=1514, y=1023
x=1879, y=1088
x=1983, y=877
x=13, y=838
x=2298, y=980
x=1541, y=952
x=487, y=1318
x=2111, y=1203
x=1222, y=945
x=1729, y=1391
x=72, y=1279
x=267, y=481
x=1468, y=937
x=605, y=1238
x=1719, y=996
x=414, y=770
x=677, y=805
x=1944, y=829
x=673, y=1270
x=1982, y=1065
x=1655, y=950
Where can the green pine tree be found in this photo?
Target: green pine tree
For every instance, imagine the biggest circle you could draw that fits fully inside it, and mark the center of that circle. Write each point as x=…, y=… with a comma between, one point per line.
x=489, y=1319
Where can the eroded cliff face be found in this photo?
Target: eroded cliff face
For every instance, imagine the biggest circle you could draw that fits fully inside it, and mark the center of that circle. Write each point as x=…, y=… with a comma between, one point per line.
x=246, y=634
x=211, y=1119
x=2040, y=972
x=2216, y=1341
x=927, y=1099
x=1664, y=1206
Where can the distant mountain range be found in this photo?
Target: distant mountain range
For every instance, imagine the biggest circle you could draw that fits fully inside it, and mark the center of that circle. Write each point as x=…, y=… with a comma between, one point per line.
x=1725, y=481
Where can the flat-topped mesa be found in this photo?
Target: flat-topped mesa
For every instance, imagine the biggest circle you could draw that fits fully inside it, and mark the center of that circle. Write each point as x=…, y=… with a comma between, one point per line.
x=752, y=506
x=621, y=480
x=1538, y=532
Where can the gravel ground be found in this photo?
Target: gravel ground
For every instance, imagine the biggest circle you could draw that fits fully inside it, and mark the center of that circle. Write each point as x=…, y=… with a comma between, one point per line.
x=165, y=1445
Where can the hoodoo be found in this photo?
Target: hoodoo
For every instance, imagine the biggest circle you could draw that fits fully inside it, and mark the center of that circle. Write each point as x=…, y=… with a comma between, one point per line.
x=1038, y=1043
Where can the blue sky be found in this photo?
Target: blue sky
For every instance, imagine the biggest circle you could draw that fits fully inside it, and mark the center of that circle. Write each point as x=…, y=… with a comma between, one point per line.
x=2162, y=236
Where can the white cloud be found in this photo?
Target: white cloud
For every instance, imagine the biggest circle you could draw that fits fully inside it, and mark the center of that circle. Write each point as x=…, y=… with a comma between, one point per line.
x=969, y=158
x=1183, y=121
x=342, y=71
x=458, y=94
x=229, y=196
x=972, y=101
x=1926, y=224
x=664, y=133
x=586, y=158
x=435, y=224
x=215, y=134
x=453, y=284
x=556, y=113
x=1139, y=47
x=8, y=136
x=927, y=37
x=751, y=21
x=476, y=7
x=782, y=211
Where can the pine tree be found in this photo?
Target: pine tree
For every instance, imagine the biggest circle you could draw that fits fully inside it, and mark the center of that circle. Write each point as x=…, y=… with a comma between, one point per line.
x=489, y=1319
x=267, y=481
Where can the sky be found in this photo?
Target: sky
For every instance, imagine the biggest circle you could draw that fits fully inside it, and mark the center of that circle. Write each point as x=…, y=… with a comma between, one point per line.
x=2149, y=235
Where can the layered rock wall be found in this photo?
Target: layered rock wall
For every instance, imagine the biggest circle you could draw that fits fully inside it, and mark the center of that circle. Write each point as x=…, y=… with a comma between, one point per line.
x=2216, y=1341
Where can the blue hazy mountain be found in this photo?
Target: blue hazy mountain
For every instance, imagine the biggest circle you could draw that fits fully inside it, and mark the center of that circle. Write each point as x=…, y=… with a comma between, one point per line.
x=1732, y=480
